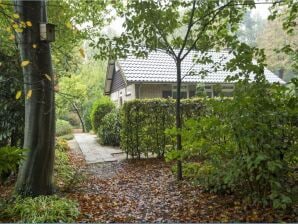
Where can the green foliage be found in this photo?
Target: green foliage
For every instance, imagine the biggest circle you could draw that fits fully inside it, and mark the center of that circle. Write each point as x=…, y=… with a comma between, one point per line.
x=100, y=108
x=10, y=157
x=66, y=137
x=109, y=130
x=66, y=176
x=246, y=144
x=61, y=145
x=63, y=128
x=42, y=209
x=143, y=124
x=72, y=118
x=12, y=111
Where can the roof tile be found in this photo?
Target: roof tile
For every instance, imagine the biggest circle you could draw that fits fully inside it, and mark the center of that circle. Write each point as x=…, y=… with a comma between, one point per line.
x=160, y=67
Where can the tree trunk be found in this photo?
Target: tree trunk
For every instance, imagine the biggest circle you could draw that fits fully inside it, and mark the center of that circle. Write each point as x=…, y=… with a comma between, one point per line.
x=178, y=118
x=79, y=115
x=35, y=175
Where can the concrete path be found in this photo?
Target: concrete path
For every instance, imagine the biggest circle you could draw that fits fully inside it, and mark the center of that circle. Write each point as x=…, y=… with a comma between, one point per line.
x=94, y=152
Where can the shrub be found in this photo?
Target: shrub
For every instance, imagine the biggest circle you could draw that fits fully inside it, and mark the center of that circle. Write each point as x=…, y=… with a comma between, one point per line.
x=144, y=121
x=10, y=157
x=245, y=145
x=63, y=127
x=65, y=174
x=66, y=137
x=100, y=108
x=42, y=209
x=72, y=118
x=61, y=145
x=109, y=130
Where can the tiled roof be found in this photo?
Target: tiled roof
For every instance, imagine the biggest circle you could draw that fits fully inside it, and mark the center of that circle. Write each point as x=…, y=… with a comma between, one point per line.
x=160, y=67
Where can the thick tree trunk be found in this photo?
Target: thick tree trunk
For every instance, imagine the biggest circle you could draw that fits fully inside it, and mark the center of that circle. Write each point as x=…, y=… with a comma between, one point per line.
x=178, y=118
x=35, y=175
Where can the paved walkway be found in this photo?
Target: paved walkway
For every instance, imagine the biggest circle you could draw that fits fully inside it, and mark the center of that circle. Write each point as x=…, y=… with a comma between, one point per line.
x=96, y=153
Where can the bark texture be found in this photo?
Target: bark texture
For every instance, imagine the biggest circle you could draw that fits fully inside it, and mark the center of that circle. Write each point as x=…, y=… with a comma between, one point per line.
x=35, y=175
x=178, y=118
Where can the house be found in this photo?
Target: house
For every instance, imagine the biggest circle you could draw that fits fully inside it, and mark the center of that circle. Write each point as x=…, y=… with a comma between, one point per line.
x=155, y=77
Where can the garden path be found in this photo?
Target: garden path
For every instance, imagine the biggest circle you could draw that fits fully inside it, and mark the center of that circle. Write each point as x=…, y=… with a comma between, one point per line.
x=96, y=153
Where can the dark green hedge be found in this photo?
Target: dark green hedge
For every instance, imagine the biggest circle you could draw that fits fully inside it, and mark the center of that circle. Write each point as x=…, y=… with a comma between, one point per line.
x=144, y=121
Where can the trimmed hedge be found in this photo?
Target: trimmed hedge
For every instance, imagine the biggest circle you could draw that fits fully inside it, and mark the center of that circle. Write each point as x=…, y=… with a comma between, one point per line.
x=144, y=121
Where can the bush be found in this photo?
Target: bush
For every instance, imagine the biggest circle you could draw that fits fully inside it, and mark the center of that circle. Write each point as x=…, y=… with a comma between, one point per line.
x=72, y=118
x=100, y=108
x=245, y=145
x=42, y=209
x=10, y=157
x=61, y=145
x=66, y=176
x=109, y=130
x=144, y=121
x=63, y=127
x=66, y=137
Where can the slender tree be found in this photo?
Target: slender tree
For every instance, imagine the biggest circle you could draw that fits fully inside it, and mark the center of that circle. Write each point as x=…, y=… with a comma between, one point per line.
x=35, y=175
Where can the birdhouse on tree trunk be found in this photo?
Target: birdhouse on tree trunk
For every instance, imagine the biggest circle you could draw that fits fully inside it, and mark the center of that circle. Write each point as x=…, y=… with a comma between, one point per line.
x=47, y=32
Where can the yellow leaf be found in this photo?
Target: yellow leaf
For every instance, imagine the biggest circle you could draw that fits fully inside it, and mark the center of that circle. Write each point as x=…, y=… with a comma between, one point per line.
x=16, y=16
x=29, y=94
x=8, y=29
x=25, y=63
x=68, y=25
x=12, y=37
x=15, y=25
x=34, y=45
x=18, y=94
x=18, y=30
x=82, y=52
x=48, y=77
x=28, y=23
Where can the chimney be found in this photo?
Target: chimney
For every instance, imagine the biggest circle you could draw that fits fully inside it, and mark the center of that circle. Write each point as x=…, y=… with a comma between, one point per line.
x=281, y=73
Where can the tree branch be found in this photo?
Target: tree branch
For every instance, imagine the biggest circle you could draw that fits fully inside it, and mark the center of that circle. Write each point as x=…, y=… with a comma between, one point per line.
x=205, y=26
x=190, y=24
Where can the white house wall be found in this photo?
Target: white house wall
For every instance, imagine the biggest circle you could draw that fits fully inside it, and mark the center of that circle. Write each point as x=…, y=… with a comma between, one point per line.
x=153, y=90
x=126, y=93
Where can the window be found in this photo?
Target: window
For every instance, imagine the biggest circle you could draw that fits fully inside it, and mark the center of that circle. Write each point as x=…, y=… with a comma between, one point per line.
x=183, y=95
x=183, y=91
x=166, y=93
